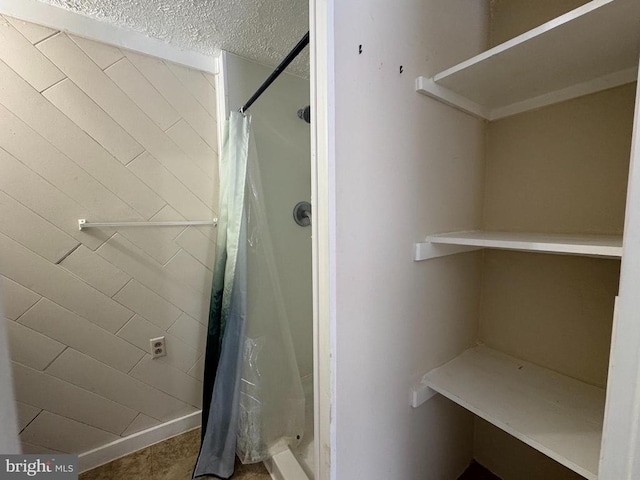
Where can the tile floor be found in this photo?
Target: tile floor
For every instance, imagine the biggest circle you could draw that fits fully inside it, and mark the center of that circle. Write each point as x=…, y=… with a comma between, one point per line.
x=172, y=459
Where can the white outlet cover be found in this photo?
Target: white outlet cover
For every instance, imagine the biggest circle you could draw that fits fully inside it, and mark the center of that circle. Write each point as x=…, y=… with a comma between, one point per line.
x=158, y=347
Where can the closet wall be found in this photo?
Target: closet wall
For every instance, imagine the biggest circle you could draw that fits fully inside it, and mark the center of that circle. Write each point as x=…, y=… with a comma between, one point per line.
x=92, y=131
x=397, y=319
x=420, y=168
x=559, y=169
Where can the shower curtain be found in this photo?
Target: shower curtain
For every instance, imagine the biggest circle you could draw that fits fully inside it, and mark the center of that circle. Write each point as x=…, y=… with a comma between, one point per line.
x=253, y=403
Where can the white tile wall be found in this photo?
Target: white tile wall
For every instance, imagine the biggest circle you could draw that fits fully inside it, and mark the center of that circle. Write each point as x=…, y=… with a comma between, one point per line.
x=154, y=174
x=21, y=141
x=133, y=83
x=157, y=242
x=138, y=331
x=169, y=380
x=70, y=329
x=190, y=331
x=54, y=395
x=59, y=433
x=198, y=369
x=102, y=54
x=90, y=132
x=30, y=64
x=30, y=347
x=27, y=448
x=89, y=374
x=192, y=144
x=41, y=115
x=34, y=272
x=94, y=270
x=16, y=299
x=198, y=244
x=148, y=304
x=33, y=33
x=141, y=422
x=188, y=270
x=183, y=101
x=84, y=73
x=199, y=87
x=134, y=261
x=33, y=231
x=35, y=193
x=72, y=101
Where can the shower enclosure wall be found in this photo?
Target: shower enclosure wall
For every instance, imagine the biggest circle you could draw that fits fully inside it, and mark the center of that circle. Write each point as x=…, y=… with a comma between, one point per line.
x=283, y=147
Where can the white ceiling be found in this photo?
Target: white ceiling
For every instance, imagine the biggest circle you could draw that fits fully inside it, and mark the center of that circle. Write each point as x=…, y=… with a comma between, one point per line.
x=262, y=30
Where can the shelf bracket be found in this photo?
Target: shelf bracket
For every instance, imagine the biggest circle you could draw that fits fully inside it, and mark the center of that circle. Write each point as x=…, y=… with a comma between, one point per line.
x=428, y=250
x=421, y=393
x=428, y=87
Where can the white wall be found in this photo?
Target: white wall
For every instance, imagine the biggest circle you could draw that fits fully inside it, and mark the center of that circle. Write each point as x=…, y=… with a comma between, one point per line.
x=91, y=131
x=8, y=419
x=283, y=146
x=395, y=319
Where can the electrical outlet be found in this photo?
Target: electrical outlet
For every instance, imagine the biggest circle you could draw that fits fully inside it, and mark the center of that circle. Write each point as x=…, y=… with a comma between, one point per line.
x=158, y=347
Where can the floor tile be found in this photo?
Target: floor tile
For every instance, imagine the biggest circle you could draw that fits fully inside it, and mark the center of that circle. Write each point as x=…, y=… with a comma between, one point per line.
x=172, y=459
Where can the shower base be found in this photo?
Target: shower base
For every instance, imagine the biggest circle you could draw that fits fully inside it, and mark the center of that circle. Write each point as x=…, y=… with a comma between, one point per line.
x=299, y=463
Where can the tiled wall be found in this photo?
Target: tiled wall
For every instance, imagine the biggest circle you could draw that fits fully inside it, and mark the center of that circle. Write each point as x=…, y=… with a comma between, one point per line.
x=91, y=131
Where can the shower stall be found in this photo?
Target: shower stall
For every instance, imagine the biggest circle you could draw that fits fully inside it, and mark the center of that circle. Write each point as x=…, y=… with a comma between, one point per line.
x=282, y=142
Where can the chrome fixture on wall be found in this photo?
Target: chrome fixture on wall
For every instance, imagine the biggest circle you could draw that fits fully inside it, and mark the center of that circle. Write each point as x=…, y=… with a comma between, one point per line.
x=302, y=214
x=305, y=114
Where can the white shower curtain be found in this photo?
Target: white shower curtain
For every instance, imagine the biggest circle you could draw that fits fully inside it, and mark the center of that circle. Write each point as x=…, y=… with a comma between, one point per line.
x=253, y=402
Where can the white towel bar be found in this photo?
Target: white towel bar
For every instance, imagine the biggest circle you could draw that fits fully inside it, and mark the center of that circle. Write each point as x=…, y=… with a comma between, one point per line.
x=83, y=224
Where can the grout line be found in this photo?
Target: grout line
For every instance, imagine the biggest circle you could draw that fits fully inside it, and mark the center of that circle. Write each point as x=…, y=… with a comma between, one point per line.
x=172, y=257
x=32, y=420
x=121, y=434
x=42, y=297
x=175, y=321
x=53, y=85
x=69, y=253
x=125, y=324
x=138, y=156
x=146, y=354
x=47, y=38
x=161, y=208
x=122, y=288
x=112, y=64
x=66, y=347
x=173, y=124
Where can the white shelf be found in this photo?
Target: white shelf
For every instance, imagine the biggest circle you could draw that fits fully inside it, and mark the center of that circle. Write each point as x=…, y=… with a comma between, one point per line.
x=589, y=49
x=557, y=415
x=588, y=245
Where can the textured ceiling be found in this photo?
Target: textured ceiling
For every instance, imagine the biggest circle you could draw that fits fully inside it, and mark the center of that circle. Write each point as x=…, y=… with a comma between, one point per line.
x=262, y=30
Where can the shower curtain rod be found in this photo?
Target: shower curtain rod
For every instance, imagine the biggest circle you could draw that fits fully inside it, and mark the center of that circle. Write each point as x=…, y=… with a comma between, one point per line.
x=276, y=73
